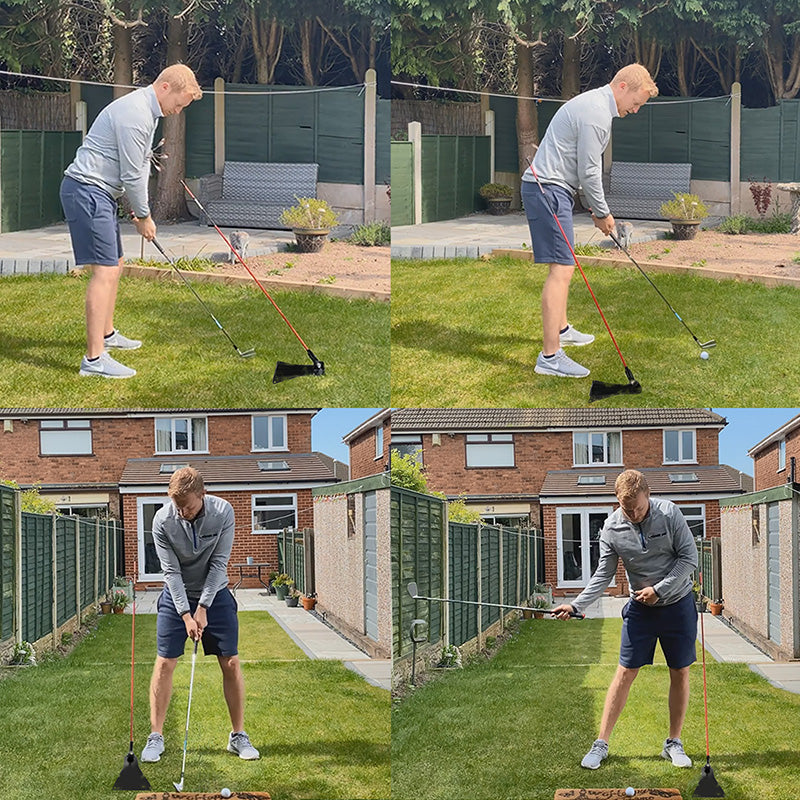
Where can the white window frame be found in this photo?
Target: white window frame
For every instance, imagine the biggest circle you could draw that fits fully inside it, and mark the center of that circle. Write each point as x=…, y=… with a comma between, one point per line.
x=695, y=517
x=496, y=442
x=781, y=455
x=65, y=430
x=271, y=446
x=378, y=442
x=140, y=503
x=605, y=432
x=287, y=507
x=681, y=459
x=190, y=427
x=401, y=443
x=584, y=512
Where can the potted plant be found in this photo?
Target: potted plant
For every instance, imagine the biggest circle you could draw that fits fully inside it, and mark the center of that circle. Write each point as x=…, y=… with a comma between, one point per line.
x=105, y=604
x=450, y=657
x=292, y=597
x=311, y=221
x=685, y=212
x=23, y=655
x=271, y=581
x=282, y=584
x=497, y=196
x=699, y=600
x=716, y=606
x=540, y=602
x=119, y=600
x=309, y=600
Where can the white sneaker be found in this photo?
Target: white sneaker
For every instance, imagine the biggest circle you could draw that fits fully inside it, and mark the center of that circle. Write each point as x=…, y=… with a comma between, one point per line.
x=154, y=748
x=560, y=364
x=673, y=750
x=595, y=756
x=123, y=342
x=572, y=336
x=239, y=743
x=105, y=367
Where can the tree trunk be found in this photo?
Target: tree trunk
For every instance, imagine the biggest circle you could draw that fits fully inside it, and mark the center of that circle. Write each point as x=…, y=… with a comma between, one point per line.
x=527, y=115
x=307, y=51
x=648, y=53
x=170, y=203
x=681, y=64
x=571, y=68
x=123, y=52
x=267, y=37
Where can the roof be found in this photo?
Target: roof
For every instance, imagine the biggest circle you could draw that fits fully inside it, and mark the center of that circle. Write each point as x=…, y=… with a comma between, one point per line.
x=470, y=419
x=744, y=480
x=775, y=436
x=311, y=468
x=367, y=425
x=138, y=412
x=716, y=480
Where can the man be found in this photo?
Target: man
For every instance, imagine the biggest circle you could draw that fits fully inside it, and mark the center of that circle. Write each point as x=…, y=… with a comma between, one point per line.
x=659, y=554
x=193, y=536
x=113, y=160
x=571, y=155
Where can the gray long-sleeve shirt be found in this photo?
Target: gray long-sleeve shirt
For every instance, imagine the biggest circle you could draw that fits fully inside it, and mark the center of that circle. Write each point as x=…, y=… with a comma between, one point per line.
x=115, y=155
x=660, y=552
x=194, y=555
x=571, y=152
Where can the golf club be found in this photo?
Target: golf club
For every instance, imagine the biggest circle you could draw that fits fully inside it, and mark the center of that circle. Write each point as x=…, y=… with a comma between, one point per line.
x=707, y=786
x=702, y=345
x=179, y=786
x=412, y=590
x=131, y=776
x=599, y=389
x=283, y=371
x=242, y=353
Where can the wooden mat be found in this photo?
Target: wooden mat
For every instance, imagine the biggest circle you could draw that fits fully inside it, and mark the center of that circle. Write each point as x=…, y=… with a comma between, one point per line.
x=203, y=796
x=615, y=794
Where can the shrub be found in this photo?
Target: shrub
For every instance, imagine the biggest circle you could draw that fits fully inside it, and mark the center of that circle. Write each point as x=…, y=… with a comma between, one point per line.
x=374, y=234
x=735, y=225
x=31, y=501
x=762, y=196
x=684, y=206
x=450, y=657
x=23, y=653
x=777, y=223
x=408, y=473
x=457, y=511
x=492, y=191
x=310, y=213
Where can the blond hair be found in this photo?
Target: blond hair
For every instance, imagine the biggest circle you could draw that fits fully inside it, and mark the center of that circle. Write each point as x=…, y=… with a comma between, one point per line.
x=629, y=484
x=185, y=481
x=636, y=77
x=180, y=79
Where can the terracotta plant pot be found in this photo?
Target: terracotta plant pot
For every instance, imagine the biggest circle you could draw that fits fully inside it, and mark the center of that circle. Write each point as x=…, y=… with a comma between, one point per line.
x=105, y=607
x=310, y=240
x=309, y=602
x=716, y=608
x=684, y=229
x=118, y=610
x=527, y=613
x=538, y=614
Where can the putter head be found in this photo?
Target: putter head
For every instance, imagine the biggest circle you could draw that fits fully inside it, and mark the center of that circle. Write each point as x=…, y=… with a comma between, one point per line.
x=708, y=786
x=131, y=777
x=412, y=589
x=600, y=389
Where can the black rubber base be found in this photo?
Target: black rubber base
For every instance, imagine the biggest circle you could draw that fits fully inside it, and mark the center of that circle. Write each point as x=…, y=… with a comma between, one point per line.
x=708, y=786
x=131, y=777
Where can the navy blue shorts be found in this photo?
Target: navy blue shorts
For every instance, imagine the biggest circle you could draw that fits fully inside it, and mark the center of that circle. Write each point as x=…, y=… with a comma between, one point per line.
x=547, y=240
x=220, y=638
x=91, y=214
x=674, y=626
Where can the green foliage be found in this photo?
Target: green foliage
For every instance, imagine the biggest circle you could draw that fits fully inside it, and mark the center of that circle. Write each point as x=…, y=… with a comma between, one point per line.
x=284, y=579
x=450, y=656
x=457, y=511
x=184, y=263
x=30, y=499
x=493, y=191
x=735, y=225
x=408, y=473
x=540, y=602
x=311, y=214
x=23, y=654
x=119, y=599
x=741, y=223
x=684, y=206
x=373, y=234
x=590, y=250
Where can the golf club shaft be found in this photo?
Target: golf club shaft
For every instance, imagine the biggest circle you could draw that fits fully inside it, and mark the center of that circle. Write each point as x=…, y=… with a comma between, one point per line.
x=244, y=264
x=188, y=712
x=492, y=605
x=700, y=344
x=199, y=299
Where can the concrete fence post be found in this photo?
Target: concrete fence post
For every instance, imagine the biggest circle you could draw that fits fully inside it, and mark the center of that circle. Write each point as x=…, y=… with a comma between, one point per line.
x=370, y=138
x=502, y=587
x=480, y=590
x=18, y=567
x=54, y=579
x=446, y=572
x=219, y=125
x=96, y=558
x=77, y=530
x=736, y=148
x=415, y=137
x=488, y=128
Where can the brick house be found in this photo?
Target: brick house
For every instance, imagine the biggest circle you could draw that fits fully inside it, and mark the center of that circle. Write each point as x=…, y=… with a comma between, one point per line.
x=118, y=462
x=369, y=445
x=776, y=456
x=554, y=470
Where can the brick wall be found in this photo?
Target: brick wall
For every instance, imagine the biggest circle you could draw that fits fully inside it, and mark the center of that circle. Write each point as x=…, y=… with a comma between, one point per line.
x=362, y=453
x=766, y=463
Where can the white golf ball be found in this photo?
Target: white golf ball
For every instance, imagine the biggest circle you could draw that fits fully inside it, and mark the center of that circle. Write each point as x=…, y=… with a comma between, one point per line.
x=227, y=792
x=704, y=355
x=630, y=790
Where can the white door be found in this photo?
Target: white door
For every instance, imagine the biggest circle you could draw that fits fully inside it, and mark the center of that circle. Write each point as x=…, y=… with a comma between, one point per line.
x=579, y=544
x=774, y=572
x=371, y=565
x=146, y=507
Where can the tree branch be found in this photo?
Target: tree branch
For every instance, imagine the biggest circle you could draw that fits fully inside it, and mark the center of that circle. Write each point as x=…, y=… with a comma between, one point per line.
x=121, y=22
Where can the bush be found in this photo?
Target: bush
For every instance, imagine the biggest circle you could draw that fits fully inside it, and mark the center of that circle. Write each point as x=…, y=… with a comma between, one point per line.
x=684, y=206
x=777, y=223
x=311, y=214
x=408, y=473
x=492, y=191
x=375, y=234
x=450, y=657
x=735, y=225
x=31, y=501
x=23, y=653
x=457, y=511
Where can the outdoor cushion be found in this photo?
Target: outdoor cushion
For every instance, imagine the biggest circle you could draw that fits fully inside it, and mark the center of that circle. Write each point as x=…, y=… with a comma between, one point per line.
x=637, y=190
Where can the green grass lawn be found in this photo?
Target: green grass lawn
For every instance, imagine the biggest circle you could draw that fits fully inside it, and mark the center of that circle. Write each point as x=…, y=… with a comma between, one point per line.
x=467, y=333
x=323, y=731
x=186, y=360
x=517, y=726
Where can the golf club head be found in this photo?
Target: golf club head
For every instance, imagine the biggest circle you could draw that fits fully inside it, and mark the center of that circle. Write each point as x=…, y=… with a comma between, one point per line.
x=709, y=343
x=708, y=786
x=600, y=389
x=412, y=589
x=285, y=372
x=246, y=353
x=131, y=777
x=178, y=786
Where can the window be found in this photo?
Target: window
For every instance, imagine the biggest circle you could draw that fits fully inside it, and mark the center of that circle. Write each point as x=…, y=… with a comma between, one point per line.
x=170, y=467
x=379, y=441
x=405, y=444
x=781, y=454
x=274, y=512
x=683, y=477
x=269, y=432
x=273, y=466
x=679, y=446
x=490, y=450
x=181, y=434
x=591, y=480
x=596, y=447
x=65, y=437
x=696, y=519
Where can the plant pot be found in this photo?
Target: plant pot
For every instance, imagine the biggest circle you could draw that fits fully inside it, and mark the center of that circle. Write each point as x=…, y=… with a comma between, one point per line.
x=105, y=607
x=310, y=240
x=291, y=602
x=309, y=603
x=684, y=229
x=281, y=592
x=716, y=608
x=498, y=205
x=118, y=610
x=538, y=614
x=527, y=613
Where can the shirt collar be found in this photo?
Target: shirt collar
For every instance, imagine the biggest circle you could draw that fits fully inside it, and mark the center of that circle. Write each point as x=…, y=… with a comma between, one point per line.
x=155, y=107
x=611, y=101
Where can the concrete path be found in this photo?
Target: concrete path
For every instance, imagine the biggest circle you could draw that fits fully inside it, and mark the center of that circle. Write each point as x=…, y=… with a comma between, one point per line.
x=479, y=234
x=309, y=633
x=723, y=643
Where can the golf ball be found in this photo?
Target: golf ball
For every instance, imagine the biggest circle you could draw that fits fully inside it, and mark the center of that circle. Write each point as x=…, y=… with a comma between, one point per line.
x=630, y=790
x=227, y=792
x=704, y=354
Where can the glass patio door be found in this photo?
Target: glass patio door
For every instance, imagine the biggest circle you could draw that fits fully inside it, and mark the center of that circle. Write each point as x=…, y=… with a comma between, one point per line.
x=149, y=566
x=579, y=544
